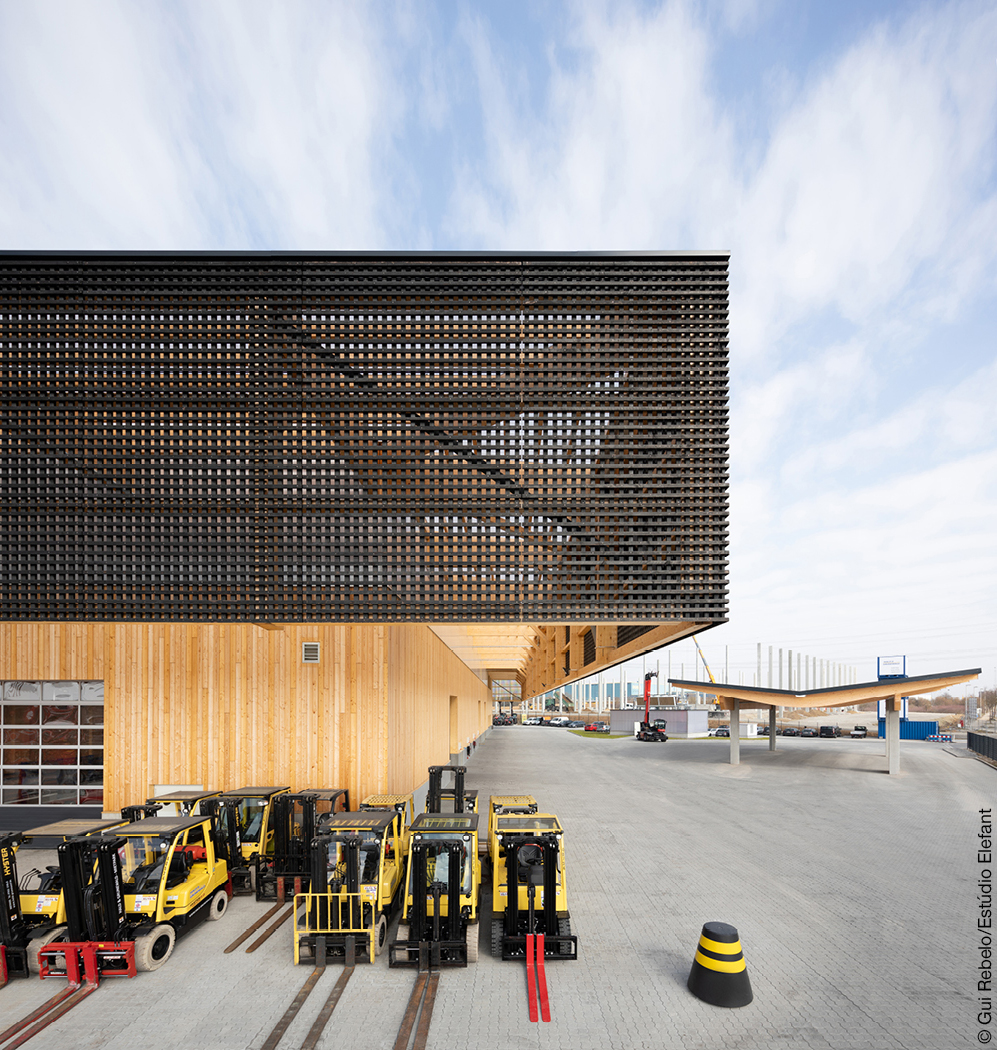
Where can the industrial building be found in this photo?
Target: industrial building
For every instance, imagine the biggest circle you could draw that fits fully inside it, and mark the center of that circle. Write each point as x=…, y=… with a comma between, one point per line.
x=283, y=517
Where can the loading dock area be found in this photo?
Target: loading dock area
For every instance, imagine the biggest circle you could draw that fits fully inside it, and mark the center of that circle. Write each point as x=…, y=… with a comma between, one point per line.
x=851, y=892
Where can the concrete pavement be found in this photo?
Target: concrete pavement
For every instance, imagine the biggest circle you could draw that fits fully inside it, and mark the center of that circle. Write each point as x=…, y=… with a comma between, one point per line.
x=854, y=894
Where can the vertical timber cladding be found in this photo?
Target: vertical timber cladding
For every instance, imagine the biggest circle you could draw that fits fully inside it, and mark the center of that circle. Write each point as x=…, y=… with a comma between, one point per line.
x=289, y=438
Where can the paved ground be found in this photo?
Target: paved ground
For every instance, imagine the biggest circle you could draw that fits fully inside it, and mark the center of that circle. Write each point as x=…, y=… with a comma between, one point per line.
x=854, y=894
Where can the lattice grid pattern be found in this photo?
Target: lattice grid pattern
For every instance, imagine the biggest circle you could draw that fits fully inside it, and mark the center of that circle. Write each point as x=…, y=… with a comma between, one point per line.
x=281, y=437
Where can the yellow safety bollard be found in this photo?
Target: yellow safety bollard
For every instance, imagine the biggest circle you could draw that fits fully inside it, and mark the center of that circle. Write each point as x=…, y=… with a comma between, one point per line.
x=719, y=974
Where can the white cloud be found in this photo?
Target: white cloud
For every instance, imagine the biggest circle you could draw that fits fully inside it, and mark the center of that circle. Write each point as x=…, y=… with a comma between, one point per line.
x=193, y=126
x=876, y=171
x=628, y=129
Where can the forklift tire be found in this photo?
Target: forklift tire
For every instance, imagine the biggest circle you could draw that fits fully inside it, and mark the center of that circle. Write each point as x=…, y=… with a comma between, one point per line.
x=402, y=934
x=498, y=929
x=218, y=906
x=564, y=929
x=152, y=949
x=380, y=933
x=472, y=943
x=56, y=934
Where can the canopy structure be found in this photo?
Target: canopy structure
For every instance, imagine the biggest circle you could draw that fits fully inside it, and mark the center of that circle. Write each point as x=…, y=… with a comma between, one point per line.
x=735, y=697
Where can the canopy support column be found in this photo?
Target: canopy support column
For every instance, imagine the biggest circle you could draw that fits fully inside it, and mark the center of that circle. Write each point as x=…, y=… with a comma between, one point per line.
x=772, y=728
x=735, y=732
x=892, y=725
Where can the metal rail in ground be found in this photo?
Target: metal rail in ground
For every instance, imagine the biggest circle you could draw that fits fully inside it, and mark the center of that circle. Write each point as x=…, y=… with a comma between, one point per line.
x=249, y=931
x=418, y=1013
x=84, y=964
x=315, y=1032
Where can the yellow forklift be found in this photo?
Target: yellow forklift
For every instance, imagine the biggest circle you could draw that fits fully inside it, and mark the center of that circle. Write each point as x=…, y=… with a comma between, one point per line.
x=34, y=905
x=357, y=869
x=183, y=803
x=403, y=805
x=439, y=924
x=243, y=819
x=173, y=877
x=128, y=893
x=293, y=822
x=529, y=886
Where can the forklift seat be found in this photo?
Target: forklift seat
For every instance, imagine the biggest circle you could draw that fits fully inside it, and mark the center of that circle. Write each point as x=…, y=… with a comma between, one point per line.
x=531, y=864
x=371, y=857
x=179, y=868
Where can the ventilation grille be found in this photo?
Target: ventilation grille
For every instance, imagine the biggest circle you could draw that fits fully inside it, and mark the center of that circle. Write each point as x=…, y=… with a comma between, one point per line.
x=310, y=652
x=427, y=437
x=589, y=650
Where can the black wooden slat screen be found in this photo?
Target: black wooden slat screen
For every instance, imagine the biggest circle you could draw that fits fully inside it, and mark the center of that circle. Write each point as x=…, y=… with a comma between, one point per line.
x=287, y=437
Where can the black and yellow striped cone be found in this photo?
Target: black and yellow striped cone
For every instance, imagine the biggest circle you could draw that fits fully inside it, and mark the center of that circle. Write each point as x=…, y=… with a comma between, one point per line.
x=719, y=975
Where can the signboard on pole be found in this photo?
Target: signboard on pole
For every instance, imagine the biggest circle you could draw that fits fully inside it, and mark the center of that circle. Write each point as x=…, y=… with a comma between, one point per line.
x=892, y=666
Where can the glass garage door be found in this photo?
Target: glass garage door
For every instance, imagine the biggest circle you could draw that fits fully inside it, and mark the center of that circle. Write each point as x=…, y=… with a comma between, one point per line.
x=53, y=743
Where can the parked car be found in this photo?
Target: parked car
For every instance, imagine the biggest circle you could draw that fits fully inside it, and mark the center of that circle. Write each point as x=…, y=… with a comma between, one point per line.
x=596, y=727
x=790, y=731
x=560, y=722
x=532, y=721
x=829, y=731
x=763, y=730
x=722, y=731
x=576, y=724
x=808, y=731
x=859, y=731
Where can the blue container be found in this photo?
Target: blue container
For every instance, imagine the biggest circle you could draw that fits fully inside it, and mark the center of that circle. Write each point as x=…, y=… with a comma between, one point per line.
x=911, y=730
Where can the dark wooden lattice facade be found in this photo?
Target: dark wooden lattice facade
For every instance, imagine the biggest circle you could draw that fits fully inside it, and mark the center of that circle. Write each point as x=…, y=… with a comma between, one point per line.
x=399, y=437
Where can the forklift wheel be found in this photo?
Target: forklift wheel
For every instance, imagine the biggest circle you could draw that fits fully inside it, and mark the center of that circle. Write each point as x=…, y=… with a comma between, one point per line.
x=57, y=934
x=380, y=933
x=497, y=931
x=402, y=934
x=471, y=941
x=218, y=906
x=564, y=929
x=152, y=949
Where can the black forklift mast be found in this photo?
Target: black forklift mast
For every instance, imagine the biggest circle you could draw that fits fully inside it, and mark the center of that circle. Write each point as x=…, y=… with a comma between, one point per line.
x=225, y=830
x=444, y=928
x=329, y=911
x=434, y=940
x=92, y=889
x=133, y=813
x=292, y=845
x=437, y=792
x=13, y=929
x=538, y=867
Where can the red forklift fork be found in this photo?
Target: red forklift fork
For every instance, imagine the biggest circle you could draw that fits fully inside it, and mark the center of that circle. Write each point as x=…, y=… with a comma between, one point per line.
x=83, y=964
x=536, y=984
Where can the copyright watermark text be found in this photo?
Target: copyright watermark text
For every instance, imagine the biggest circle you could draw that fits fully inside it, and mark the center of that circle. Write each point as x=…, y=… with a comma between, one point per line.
x=984, y=925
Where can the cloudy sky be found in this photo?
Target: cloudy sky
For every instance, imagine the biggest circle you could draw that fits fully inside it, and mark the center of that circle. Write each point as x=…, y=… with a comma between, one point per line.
x=844, y=153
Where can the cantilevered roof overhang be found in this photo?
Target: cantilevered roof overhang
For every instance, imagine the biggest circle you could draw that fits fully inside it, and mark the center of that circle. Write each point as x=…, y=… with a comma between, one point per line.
x=836, y=696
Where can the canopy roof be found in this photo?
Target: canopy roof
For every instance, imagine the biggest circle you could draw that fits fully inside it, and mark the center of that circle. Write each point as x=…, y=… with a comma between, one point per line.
x=837, y=696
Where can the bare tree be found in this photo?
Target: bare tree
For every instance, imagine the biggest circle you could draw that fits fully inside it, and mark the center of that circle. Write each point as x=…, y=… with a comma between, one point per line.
x=988, y=703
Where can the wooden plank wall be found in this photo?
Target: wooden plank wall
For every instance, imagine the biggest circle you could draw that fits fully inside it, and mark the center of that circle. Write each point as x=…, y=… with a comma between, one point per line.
x=228, y=704
x=422, y=681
